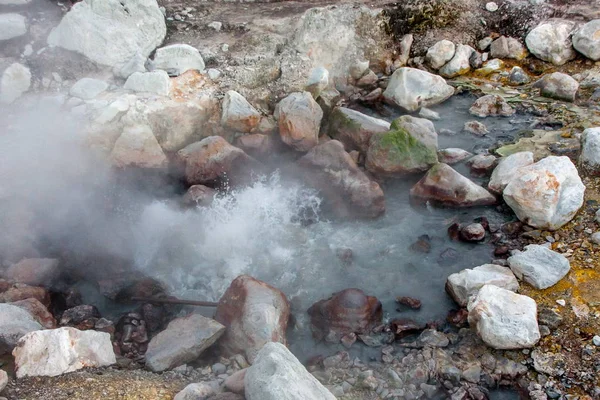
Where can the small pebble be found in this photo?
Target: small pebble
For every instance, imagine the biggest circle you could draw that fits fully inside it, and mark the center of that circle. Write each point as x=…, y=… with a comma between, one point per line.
x=595, y=238
x=561, y=302
x=491, y=6
x=596, y=340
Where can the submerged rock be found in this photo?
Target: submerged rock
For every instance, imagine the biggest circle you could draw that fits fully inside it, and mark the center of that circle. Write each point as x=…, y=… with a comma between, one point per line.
x=238, y=114
x=15, y=322
x=491, y=105
x=590, y=150
x=558, y=86
x=176, y=59
x=440, y=53
x=346, y=187
x=277, y=375
x=299, y=118
x=459, y=65
x=411, y=88
x=551, y=41
x=354, y=129
x=587, y=40
x=507, y=169
x=58, y=351
x=539, y=266
x=254, y=313
x=462, y=285
x=476, y=128
x=504, y=320
x=546, y=194
x=346, y=312
x=443, y=185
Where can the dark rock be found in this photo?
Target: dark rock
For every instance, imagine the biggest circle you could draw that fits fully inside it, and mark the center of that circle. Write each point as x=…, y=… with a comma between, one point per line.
x=472, y=233
x=105, y=325
x=512, y=228
x=501, y=251
x=475, y=61
x=405, y=327
x=199, y=195
x=422, y=245
x=448, y=256
x=458, y=317
x=549, y=317
x=454, y=231
x=411, y=302
x=345, y=255
x=82, y=317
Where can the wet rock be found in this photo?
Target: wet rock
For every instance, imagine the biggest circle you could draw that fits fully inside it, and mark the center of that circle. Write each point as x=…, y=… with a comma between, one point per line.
x=254, y=313
x=459, y=64
x=472, y=233
x=22, y=292
x=16, y=80
x=433, y=338
x=503, y=319
x=137, y=147
x=15, y=322
x=38, y=311
x=549, y=317
x=196, y=391
x=458, y=317
x=410, y=146
x=491, y=105
x=88, y=88
x=345, y=186
x=507, y=47
x=12, y=25
x=476, y=128
x=551, y=41
x=109, y=32
x=587, y=40
x=176, y=59
x=156, y=82
x=481, y=164
x=348, y=311
x=518, y=76
x=277, y=375
x=318, y=80
x=539, y=266
x=34, y=271
x=299, y=118
x=465, y=284
x=429, y=114
x=490, y=67
x=184, y=340
x=213, y=159
x=354, y=129
x=199, y=195
x=82, y=317
x=256, y=144
x=443, y=185
x=411, y=302
x=590, y=150
x=507, y=170
x=411, y=89
x=238, y=114
x=558, y=86
x=440, y=53
x=452, y=156
x=546, y=194
x=422, y=245
x=3, y=379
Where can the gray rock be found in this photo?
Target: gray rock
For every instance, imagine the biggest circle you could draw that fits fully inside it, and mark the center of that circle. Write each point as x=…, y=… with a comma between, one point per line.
x=504, y=320
x=236, y=382
x=16, y=80
x=213, y=74
x=472, y=233
x=3, y=379
x=493, y=105
x=299, y=118
x=14, y=2
x=440, y=53
x=452, y=156
x=587, y=40
x=156, y=82
x=551, y=41
x=433, y=338
x=518, y=76
x=411, y=89
x=277, y=375
x=176, y=59
x=58, y=351
x=34, y=271
x=482, y=164
x=546, y=194
x=459, y=64
x=465, y=284
x=558, y=86
x=111, y=32
x=182, y=341
x=476, y=128
x=88, y=88
x=318, y=80
x=12, y=25
x=354, y=129
x=429, y=114
x=484, y=43
x=590, y=150
x=196, y=391
x=507, y=47
x=238, y=114
x=507, y=169
x=595, y=237
x=137, y=147
x=539, y=266
x=358, y=69
x=476, y=60
x=15, y=322
x=137, y=63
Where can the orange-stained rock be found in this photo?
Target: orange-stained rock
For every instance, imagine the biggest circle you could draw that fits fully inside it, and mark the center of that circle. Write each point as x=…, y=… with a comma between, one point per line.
x=38, y=311
x=299, y=118
x=34, y=271
x=22, y=292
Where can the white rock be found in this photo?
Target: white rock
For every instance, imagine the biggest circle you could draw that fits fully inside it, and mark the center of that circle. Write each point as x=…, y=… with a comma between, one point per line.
x=546, y=194
x=491, y=66
x=195, y=391
x=507, y=168
x=88, y=88
x=14, y=2
x=16, y=80
x=14, y=323
x=596, y=340
x=277, y=375
x=213, y=74
x=27, y=50
x=429, y=114
x=3, y=379
x=58, y=351
x=440, y=53
x=587, y=40
x=216, y=25
x=459, y=64
x=453, y=155
x=358, y=69
x=561, y=302
x=590, y=150
x=12, y=26
x=558, y=86
x=137, y=63
x=539, y=266
x=491, y=6
x=178, y=58
x=157, y=82
x=317, y=81
x=466, y=283
x=299, y=118
x=238, y=114
x=137, y=147
x=551, y=41
x=111, y=32
x=412, y=89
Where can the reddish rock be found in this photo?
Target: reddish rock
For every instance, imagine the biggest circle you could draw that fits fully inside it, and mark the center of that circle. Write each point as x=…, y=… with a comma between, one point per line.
x=22, y=292
x=405, y=327
x=199, y=195
x=299, y=118
x=34, y=271
x=4, y=285
x=38, y=311
x=345, y=255
x=454, y=231
x=253, y=313
x=411, y=302
x=348, y=311
x=235, y=382
x=472, y=233
x=255, y=144
x=458, y=317
x=422, y=245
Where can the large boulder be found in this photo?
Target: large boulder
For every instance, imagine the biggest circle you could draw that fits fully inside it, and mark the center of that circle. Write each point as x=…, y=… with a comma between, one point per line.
x=277, y=375
x=459, y=64
x=238, y=114
x=254, y=313
x=440, y=53
x=213, y=159
x=504, y=320
x=34, y=271
x=443, y=185
x=38, y=311
x=16, y=80
x=354, y=129
x=299, y=118
x=558, y=86
x=111, y=32
x=411, y=89
x=551, y=41
x=507, y=47
x=175, y=59
x=343, y=184
x=58, y=351
x=12, y=25
x=183, y=341
x=546, y=194
x=15, y=322
x=507, y=169
x=465, y=284
x=137, y=147
x=409, y=146
x=491, y=105
x=539, y=266
x=590, y=150
x=587, y=40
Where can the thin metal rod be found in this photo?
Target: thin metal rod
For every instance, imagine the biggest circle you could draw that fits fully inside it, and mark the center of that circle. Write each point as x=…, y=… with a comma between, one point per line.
x=173, y=300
